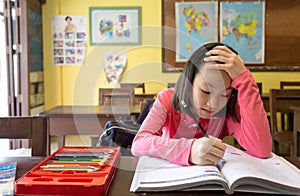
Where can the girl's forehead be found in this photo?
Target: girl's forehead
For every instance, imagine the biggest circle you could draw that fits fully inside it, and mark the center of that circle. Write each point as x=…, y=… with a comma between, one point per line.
x=213, y=78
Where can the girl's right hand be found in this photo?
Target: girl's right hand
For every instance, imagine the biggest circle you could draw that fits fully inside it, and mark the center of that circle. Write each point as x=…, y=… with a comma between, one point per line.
x=207, y=151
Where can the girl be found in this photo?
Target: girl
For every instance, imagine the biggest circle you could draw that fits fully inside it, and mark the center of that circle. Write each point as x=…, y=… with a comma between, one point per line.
x=220, y=91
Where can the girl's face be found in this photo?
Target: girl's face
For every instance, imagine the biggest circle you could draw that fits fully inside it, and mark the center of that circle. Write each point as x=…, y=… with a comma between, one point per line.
x=211, y=92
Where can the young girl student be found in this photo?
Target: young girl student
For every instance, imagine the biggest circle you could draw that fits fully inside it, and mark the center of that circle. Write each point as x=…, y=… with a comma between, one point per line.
x=217, y=89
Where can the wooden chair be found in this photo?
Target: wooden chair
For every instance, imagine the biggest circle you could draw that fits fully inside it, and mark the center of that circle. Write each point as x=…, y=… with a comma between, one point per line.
x=288, y=85
x=103, y=92
x=134, y=86
x=293, y=84
x=34, y=128
x=139, y=96
x=116, y=96
x=282, y=136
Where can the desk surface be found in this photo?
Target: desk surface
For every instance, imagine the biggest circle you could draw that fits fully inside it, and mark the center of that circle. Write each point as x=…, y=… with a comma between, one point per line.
x=122, y=179
x=24, y=164
x=70, y=111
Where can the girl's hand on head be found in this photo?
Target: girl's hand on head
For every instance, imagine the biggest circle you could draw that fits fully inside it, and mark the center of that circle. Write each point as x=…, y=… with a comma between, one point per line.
x=233, y=64
x=207, y=151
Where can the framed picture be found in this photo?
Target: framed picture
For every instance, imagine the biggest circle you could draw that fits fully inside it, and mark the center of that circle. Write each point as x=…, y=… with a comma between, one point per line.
x=115, y=25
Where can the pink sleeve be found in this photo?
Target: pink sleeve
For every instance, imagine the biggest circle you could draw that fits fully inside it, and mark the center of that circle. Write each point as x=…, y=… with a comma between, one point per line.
x=253, y=132
x=153, y=138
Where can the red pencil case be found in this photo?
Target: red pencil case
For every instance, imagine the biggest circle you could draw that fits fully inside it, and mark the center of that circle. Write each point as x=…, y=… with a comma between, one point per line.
x=67, y=172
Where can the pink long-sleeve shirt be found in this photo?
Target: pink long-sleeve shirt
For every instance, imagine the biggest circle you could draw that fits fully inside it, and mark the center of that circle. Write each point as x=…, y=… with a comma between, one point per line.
x=167, y=133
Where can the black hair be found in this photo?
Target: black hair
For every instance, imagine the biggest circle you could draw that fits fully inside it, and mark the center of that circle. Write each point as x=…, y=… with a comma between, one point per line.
x=68, y=17
x=184, y=84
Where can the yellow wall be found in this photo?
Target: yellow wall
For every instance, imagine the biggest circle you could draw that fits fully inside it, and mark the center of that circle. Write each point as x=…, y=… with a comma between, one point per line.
x=67, y=85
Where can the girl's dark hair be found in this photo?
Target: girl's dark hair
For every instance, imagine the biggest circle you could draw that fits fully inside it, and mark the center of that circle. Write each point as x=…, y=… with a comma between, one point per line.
x=184, y=84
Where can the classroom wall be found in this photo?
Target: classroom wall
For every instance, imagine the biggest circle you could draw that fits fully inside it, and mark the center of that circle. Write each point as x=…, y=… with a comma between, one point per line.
x=78, y=85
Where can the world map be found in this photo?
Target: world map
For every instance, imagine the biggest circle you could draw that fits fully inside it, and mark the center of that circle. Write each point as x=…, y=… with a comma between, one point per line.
x=242, y=28
x=197, y=24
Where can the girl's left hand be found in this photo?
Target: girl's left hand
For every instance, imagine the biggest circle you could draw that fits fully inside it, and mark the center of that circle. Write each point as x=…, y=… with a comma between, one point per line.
x=233, y=64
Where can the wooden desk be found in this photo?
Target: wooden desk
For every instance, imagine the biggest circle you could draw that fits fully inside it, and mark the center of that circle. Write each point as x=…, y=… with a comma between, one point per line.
x=296, y=130
x=24, y=164
x=122, y=179
x=85, y=120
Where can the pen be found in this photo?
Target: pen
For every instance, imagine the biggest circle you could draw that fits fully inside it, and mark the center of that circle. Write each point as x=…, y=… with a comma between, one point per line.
x=88, y=169
x=77, y=159
x=189, y=112
x=68, y=166
x=77, y=156
x=75, y=162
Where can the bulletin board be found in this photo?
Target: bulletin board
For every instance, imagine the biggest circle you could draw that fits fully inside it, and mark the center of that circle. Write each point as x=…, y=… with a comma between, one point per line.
x=282, y=36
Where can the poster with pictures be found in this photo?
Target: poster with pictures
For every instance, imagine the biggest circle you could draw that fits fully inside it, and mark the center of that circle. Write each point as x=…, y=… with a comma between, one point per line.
x=68, y=39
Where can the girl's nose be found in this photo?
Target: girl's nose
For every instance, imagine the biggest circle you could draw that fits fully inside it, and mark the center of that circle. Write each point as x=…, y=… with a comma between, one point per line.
x=211, y=102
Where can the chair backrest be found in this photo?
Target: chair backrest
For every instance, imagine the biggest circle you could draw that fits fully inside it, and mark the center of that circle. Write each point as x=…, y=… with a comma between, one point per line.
x=103, y=92
x=280, y=102
x=293, y=84
x=116, y=96
x=133, y=86
x=32, y=127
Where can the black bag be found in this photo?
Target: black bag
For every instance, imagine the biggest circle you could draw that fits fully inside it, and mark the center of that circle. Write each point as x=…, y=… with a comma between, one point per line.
x=118, y=134
x=122, y=133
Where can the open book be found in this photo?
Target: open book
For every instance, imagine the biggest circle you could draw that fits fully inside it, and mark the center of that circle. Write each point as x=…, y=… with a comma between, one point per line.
x=238, y=172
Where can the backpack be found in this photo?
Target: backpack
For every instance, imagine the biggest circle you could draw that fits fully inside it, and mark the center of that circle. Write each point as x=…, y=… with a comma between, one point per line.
x=121, y=133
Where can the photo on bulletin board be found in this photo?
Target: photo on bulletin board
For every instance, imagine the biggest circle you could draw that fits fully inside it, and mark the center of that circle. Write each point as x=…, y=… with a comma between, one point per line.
x=197, y=24
x=69, y=39
x=242, y=28
x=115, y=25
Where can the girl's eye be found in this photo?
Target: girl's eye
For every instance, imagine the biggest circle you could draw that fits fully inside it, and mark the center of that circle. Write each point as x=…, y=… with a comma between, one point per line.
x=225, y=96
x=205, y=92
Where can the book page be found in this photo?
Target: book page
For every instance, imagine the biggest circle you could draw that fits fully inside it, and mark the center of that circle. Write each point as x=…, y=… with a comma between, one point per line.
x=153, y=174
x=239, y=164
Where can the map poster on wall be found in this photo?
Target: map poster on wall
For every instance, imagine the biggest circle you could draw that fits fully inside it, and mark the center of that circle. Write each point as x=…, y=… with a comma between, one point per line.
x=242, y=28
x=197, y=24
x=68, y=39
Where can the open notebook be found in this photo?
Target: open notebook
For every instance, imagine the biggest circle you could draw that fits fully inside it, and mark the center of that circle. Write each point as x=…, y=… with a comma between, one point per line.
x=239, y=172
